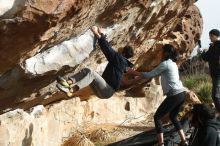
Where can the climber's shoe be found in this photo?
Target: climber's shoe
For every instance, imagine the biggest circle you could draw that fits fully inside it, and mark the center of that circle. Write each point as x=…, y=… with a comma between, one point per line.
x=60, y=78
x=62, y=81
x=184, y=143
x=161, y=144
x=65, y=90
x=69, y=94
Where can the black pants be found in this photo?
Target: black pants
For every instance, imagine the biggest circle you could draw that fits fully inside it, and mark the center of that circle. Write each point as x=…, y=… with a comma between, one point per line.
x=216, y=91
x=171, y=105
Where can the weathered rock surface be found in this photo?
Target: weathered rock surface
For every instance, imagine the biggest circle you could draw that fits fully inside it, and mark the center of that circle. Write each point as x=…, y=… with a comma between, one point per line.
x=60, y=120
x=43, y=39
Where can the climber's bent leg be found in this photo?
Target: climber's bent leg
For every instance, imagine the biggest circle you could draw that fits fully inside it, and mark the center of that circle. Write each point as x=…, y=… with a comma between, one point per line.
x=88, y=77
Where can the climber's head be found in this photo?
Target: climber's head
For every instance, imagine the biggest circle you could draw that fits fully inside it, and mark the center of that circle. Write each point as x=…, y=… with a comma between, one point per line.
x=214, y=35
x=170, y=52
x=128, y=52
x=200, y=114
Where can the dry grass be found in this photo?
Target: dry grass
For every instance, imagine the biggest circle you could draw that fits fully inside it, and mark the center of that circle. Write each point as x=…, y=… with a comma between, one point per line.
x=102, y=136
x=78, y=140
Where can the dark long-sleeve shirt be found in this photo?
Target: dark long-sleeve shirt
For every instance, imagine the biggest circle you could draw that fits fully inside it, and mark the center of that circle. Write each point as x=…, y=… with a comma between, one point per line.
x=207, y=135
x=212, y=56
x=116, y=66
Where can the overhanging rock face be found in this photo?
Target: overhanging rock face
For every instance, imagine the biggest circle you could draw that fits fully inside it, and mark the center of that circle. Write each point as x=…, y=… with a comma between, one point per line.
x=43, y=39
x=70, y=52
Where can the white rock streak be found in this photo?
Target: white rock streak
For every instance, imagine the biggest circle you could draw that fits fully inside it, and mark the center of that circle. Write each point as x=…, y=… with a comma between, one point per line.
x=5, y=5
x=70, y=52
x=10, y=7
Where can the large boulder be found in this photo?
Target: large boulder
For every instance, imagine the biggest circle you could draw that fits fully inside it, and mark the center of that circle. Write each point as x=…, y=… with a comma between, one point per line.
x=43, y=39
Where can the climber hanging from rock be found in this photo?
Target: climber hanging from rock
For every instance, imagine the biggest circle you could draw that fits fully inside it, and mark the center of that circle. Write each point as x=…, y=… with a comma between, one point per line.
x=103, y=86
x=172, y=88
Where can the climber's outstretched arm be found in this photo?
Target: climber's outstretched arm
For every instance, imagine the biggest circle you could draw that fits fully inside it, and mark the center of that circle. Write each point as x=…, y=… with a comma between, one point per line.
x=111, y=55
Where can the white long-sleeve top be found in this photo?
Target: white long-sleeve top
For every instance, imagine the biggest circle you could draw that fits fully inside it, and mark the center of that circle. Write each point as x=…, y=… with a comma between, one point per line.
x=170, y=81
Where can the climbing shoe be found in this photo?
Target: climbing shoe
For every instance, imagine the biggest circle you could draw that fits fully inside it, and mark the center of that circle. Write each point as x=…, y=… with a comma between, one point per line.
x=65, y=90
x=184, y=143
x=62, y=81
x=161, y=144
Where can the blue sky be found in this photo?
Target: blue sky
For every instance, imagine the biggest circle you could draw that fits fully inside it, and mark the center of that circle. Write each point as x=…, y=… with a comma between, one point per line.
x=210, y=10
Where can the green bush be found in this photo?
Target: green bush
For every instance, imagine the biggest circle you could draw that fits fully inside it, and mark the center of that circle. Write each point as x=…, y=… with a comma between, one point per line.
x=205, y=92
x=200, y=84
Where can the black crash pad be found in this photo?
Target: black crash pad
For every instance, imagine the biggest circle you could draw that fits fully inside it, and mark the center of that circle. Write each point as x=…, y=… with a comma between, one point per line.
x=149, y=138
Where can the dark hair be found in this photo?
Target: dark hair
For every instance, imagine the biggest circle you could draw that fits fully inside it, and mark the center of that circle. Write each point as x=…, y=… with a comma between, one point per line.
x=201, y=114
x=171, y=52
x=215, y=32
x=128, y=52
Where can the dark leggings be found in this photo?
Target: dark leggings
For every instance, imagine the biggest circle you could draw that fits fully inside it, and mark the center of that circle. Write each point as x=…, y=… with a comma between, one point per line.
x=216, y=91
x=171, y=105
